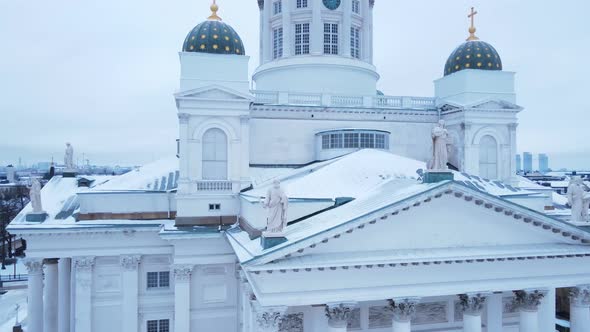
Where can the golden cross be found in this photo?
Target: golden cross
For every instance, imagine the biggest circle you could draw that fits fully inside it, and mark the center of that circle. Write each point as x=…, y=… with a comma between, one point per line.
x=472, y=28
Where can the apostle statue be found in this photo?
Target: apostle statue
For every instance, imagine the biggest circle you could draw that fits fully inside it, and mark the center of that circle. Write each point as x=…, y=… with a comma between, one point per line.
x=276, y=202
x=35, y=196
x=578, y=199
x=69, y=157
x=440, y=155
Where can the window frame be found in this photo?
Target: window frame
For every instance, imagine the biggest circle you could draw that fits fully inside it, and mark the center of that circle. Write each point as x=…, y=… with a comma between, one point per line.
x=331, y=38
x=355, y=42
x=158, y=280
x=355, y=139
x=300, y=4
x=277, y=42
x=277, y=7
x=356, y=7
x=162, y=325
x=302, y=38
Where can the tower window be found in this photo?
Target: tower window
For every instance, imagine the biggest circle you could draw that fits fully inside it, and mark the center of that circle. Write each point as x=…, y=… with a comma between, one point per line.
x=161, y=325
x=277, y=7
x=488, y=158
x=214, y=155
x=330, y=38
x=301, y=3
x=158, y=279
x=355, y=42
x=356, y=6
x=301, y=38
x=277, y=43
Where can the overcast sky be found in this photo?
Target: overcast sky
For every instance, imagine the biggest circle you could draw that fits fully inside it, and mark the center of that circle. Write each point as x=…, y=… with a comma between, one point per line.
x=101, y=74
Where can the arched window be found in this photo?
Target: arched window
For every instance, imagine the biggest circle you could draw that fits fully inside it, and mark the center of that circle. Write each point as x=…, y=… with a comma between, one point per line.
x=488, y=157
x=214, y=155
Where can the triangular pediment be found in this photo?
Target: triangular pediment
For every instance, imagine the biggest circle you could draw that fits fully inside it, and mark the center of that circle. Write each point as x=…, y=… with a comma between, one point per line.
x=493, y=104
x=451, y=219
x=213, y=92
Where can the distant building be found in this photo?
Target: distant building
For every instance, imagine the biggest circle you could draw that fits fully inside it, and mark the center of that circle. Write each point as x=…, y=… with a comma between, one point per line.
x=543, y=163
x=527, y=162
x=518, y=163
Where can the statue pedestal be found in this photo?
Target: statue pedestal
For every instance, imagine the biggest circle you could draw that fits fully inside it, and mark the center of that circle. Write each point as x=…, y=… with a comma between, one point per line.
x=70, y=173
x=269, y=242
x=36, y=216
x=434, y=176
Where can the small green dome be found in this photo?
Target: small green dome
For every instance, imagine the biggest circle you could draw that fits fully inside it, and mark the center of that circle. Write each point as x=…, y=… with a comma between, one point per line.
x=473, y=54
x=213, y=36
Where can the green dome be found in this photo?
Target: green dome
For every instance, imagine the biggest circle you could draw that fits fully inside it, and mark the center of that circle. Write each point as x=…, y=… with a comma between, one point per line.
x=473, y=54
x=213, y=36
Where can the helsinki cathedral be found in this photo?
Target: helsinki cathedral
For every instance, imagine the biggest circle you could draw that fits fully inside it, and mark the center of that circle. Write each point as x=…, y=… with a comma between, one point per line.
x=307, y=204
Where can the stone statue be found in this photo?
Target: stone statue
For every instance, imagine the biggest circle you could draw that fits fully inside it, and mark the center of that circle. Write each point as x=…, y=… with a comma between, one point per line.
x=69, y=157
x=578, y=199
x=440, y=155
x=35, y=196
x=276, y=202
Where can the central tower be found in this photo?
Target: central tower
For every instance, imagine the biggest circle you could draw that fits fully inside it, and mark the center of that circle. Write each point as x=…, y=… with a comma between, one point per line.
x=321, y=46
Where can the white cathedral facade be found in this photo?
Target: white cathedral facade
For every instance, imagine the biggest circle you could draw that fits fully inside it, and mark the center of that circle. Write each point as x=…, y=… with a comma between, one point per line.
x=370, y=245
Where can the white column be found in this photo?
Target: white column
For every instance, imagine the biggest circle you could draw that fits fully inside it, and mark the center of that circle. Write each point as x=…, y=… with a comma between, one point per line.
x=494, y=307
x=346, y=25
x=528, y=302
x=318, y=319
x=547, y=311
x=317, y=29
x=182, y=297
x=580, y=309
x=35, y=294
x=183, y=120
x=130, y=282
x=262, y=31
x=83, y=293
x=338, y=315
x=50, y=304
x=64, y=267
x=472, y=306
x=403, y=311
x=287, y=40
x=367, y=31
x=246, y=297
x=268, y=319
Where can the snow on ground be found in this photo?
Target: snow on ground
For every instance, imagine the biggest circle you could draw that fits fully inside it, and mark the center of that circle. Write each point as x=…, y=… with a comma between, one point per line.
x=7, y=308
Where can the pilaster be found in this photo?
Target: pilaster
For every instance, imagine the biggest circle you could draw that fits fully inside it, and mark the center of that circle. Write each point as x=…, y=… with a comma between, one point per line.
x=83, y=293
x=130, y=282
x=580, y=308
x=35, y=294
x=182, y=300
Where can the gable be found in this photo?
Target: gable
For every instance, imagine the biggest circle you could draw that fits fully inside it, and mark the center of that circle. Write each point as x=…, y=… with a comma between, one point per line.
x=493, y=104
x=213, y=92
x=447, y=216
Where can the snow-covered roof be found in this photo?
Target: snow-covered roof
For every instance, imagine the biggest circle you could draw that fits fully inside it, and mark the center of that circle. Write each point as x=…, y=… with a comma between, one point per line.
x=161, y=175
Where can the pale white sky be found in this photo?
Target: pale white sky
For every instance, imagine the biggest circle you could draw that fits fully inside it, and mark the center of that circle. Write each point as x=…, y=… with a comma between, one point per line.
x=101, y=74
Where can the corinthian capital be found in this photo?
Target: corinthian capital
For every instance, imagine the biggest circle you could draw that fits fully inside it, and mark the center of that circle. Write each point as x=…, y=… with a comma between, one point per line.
x=472, y=304
x=83, y=263
x=34, y=265
x=339, y=313
x=183, y=272
x=528, y=300
x=269, y=318
x=404, y=309
x=580, y=296
x=130, y=262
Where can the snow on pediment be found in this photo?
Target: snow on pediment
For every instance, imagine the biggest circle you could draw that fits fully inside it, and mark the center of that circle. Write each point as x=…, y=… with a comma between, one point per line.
x=213, y=92
x=493, y=104
x=442, y=217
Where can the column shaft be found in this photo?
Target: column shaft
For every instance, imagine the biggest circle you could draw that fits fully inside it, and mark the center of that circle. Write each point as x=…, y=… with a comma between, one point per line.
x=182, y=299
x=83, y=293
x=401, y=326
x=317, y=29
x=471, y=323
x=547, y=310
x=35, y=295
x=130, y=278
x=64, y=267
x=529, y=321
x=346, y=25
x=580, y=309
x=51, y=288
x=494, y=320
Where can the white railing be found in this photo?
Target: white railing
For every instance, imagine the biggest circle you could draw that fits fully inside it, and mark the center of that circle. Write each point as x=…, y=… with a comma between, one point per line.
x=347, y=101
x=387, y=101
x=305, y=99
x=266, y=97
x=214, y=185
x=316, y=99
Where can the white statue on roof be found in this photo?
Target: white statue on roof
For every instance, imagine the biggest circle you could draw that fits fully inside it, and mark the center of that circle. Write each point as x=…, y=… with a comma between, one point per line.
x=69, y=157
x=35, y=196
x=440, y=155
x=578, y=199
x=276, y=202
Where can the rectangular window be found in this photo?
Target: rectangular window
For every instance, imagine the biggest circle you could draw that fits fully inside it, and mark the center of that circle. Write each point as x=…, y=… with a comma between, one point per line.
x=158, y=279
x=301, y=3
x=161, y=325
x=367, y=141
x=355, y=42
x=301, y=38
x=380, y=141
x=277, y=7
x=356, y=6
x=325, y=142
x=351, y=140
x=335, y=141
x=330, y=38
x=277, y=43
x=214, y=207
